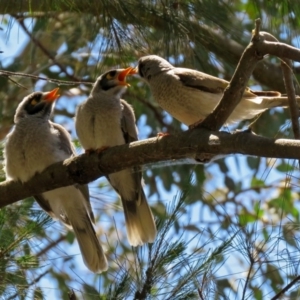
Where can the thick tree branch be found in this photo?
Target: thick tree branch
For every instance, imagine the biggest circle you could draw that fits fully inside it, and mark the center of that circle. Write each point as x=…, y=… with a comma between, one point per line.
x=256, y=50
x=86, y=168
x=235, y=90
x=265, y=72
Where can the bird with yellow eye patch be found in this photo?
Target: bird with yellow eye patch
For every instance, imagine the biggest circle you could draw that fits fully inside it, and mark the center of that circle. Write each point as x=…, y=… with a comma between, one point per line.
x=36, y=143
x=105, y=120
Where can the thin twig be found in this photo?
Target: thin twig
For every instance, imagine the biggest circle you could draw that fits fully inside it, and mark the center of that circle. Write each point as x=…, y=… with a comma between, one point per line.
x=290, y=89
x=34, y=281
x=72, y=295
x=147, y=284
x=252, y=261
x=287, y=71
x=256, y=29
x=60, y=82
x=43, y=49
x=51, y=245
x=18, y=84
x=200, y=294
x=286, y=288
x=63, y=112
x=116, y=36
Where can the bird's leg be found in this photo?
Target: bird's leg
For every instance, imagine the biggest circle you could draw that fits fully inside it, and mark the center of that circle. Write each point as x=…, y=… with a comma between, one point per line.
x=194, y=125
x=99, y=150
x=89, y=151
x=161, y=134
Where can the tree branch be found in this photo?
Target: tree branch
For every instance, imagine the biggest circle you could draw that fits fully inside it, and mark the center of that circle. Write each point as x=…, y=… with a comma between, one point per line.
x=256, y=50
x=52, y=80
x=235, y=90
x=286, y=288
x=86, y=168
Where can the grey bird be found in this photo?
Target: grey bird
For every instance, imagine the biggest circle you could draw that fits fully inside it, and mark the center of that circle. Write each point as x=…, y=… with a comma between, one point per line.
x=105, y=120
x=189, y=95
x=33, y=145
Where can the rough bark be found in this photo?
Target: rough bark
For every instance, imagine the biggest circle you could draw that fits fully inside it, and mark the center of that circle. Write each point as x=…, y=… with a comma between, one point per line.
x=86, y=168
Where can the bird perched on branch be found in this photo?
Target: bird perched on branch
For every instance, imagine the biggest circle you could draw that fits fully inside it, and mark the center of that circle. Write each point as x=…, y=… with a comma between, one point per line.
x=105, y=120
x=189, y=95
x=34, y=144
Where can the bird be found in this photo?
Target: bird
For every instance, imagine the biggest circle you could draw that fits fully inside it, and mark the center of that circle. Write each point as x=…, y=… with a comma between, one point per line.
x=105, y=120
x=190, y=95
x=34, y=144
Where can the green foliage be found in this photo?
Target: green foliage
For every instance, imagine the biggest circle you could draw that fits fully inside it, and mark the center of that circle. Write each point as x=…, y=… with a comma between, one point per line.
x=19, y=223
x=232, y=233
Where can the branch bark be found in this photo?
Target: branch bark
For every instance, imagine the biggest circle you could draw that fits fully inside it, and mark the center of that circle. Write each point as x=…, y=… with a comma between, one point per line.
x=255, y=51
x=86, y=168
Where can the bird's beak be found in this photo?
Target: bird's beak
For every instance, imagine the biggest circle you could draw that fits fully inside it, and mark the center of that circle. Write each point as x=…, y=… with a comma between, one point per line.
x=51, y=96
x=124, y=73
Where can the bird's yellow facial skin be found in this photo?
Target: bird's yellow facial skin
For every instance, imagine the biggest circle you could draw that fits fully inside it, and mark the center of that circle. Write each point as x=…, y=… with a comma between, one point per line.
x=33, y=102
x=111, y=75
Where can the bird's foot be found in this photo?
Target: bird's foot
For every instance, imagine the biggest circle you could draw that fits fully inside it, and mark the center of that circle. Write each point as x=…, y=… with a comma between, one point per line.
x=89, y=151
x=161, y=134
x=101, y=149
x=194, y=125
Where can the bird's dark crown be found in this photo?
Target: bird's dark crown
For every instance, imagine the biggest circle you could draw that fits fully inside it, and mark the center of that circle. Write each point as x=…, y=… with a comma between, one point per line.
x=34, y=103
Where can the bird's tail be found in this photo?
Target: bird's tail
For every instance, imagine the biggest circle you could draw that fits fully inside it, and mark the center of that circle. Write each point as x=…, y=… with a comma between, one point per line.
x=270, y=102
x=249, y=107
x=269, y=99
x=91, y=250
x=139, y=220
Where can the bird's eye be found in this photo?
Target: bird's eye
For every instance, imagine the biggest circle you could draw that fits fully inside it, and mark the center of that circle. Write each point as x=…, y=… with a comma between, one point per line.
x=141, y=67
x=149, y=77
x=111, y=75
x=33, y=102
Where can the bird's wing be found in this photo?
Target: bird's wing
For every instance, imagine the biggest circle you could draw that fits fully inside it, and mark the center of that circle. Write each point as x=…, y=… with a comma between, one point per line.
x=85, y=192
x=205, y=82
x=45, y=205
x=201, y=81
x=128, y=123
x=65, y=143
x=130, y=134
x=67, y=146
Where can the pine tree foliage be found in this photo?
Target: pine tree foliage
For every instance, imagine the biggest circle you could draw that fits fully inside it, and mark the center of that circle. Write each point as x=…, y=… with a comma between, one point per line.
x=232, y=231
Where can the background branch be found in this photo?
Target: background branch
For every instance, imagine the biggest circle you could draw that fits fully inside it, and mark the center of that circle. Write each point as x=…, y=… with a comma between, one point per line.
x=52, y=80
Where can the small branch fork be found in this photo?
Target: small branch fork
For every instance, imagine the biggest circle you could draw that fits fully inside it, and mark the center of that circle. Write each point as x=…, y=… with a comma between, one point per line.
x=261, y=44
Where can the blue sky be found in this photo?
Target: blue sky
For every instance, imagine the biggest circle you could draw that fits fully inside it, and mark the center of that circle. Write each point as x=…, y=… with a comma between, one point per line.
x=12, y=41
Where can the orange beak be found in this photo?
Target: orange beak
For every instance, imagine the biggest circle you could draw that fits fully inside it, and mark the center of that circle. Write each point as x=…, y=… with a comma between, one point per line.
x=124, y=73
x=51, y=96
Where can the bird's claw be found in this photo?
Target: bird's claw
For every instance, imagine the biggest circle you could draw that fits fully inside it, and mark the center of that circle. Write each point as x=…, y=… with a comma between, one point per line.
x=194, y=125
x=89, y=151
x=101, y=149
x=162, y=134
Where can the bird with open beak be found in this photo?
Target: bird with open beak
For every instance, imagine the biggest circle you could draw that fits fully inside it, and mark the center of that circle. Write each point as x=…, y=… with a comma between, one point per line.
x=105, y=120
x=36, y=143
